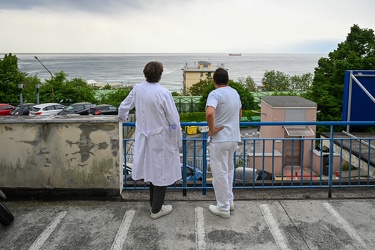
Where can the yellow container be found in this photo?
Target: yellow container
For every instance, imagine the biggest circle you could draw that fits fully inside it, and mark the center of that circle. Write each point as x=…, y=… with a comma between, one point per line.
x=191, y=130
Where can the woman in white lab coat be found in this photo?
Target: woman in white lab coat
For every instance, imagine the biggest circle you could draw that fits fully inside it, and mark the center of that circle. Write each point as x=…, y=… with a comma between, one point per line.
x=158, y=136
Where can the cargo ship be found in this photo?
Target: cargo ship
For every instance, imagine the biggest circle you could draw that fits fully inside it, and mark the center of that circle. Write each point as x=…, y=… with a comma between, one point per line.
x=235, y=54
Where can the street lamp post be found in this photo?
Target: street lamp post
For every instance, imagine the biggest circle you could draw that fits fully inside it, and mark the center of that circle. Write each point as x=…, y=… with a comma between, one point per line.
x=20, y=86
x=37, y=93
x=53, y=96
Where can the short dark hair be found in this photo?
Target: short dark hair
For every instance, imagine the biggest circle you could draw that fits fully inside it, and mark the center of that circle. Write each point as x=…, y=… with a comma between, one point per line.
x=221, y=76
x=153, y=71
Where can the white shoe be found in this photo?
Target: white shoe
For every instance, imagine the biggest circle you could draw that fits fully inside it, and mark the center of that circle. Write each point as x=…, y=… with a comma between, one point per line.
x=231, y=206
x=165, y=209
x=213, y=209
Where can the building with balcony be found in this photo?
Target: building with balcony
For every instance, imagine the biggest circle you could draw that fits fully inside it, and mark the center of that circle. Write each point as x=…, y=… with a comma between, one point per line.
x=193, y=74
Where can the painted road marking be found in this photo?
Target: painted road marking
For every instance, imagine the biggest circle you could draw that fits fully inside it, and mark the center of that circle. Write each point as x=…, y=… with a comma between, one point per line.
x=199, y=228
x=281, y=241
x=38, y=243
x=123, y=230
x=346, y=225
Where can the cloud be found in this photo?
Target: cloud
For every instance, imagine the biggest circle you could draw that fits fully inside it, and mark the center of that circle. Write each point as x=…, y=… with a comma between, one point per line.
x=188, y=26
x=82, y=5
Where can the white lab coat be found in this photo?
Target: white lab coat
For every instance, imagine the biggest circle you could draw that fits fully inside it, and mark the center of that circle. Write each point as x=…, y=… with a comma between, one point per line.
x=158, y=134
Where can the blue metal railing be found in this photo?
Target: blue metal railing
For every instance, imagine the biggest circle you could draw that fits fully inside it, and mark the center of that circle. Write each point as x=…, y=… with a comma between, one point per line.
x=291, y=162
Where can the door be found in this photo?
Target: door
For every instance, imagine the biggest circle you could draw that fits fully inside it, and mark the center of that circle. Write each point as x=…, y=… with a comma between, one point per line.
x=292, y=151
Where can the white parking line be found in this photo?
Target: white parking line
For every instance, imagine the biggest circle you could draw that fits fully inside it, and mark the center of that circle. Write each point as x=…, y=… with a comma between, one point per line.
x=281, y=241
x=123, y=230
x=199, y=228
x=347, y=227
x=38, y=243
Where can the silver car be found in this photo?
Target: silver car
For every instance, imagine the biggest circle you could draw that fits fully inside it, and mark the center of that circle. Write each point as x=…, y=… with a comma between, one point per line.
x=46, y=109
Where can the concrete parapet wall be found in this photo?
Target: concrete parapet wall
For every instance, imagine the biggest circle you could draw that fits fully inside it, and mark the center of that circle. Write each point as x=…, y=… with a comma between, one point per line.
x=61, y=152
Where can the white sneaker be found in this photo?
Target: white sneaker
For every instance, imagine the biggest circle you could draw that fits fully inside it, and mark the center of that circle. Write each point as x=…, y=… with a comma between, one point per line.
x=231, y=206
x=165, y=209
x=213, y=209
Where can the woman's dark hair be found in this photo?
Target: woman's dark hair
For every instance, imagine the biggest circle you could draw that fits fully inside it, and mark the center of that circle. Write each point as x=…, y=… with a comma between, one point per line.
x=221, y=76
x=153, y=71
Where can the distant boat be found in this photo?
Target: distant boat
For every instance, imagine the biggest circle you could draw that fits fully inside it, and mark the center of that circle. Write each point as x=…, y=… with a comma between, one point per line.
x=235, y=54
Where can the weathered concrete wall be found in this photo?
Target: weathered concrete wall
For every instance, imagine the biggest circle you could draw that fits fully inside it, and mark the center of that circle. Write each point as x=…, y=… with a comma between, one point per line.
x=72, y=152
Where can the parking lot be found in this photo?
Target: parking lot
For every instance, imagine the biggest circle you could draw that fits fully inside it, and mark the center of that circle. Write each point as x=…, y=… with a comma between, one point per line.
x=282, y=219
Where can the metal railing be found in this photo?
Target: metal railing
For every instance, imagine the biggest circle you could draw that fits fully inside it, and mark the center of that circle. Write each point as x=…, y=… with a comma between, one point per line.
x=335, y=160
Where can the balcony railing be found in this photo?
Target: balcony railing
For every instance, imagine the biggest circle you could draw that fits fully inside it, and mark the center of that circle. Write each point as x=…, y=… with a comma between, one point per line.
x=334, y=160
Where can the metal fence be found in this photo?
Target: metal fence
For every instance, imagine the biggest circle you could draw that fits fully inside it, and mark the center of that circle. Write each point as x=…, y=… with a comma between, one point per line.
x=333, y=160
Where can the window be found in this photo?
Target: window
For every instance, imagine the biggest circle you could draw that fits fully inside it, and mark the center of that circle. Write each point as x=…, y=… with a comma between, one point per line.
x=295, y=115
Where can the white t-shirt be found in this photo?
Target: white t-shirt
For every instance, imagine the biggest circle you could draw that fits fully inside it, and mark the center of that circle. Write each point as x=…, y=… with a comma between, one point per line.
x=227, y=104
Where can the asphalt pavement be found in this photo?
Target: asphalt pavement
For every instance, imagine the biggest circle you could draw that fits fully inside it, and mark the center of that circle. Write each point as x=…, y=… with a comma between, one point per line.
x=262, y=219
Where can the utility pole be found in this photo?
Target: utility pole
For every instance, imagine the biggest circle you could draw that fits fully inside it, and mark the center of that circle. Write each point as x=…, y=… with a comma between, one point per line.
x=52, y=79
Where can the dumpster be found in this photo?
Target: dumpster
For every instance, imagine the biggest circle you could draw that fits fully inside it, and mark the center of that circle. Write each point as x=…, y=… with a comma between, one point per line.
x=244, y=119
x=191, y=130
x=255, y=119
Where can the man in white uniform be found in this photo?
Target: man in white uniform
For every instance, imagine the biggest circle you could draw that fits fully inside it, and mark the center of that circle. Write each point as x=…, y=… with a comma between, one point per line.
x=158, y=136
x=223, y=114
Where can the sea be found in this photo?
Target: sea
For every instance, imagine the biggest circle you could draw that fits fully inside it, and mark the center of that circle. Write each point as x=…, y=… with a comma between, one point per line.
x=127, y=68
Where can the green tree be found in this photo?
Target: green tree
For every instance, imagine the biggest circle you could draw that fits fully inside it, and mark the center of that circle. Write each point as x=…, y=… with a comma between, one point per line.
x=107, y=86
x=248, y=83
x=275, y=81
x=247, y=99
x=66, y=91
x=356, y=52
x=116, y=97
x=29, y=88
x=198, y=88
x=10, y=77
x=300, y=83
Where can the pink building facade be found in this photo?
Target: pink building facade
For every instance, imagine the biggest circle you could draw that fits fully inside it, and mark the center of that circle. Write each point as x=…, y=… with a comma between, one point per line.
x=290, y=151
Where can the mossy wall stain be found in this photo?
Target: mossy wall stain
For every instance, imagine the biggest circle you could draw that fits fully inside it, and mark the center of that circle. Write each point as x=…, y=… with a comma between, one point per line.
x=60, y=155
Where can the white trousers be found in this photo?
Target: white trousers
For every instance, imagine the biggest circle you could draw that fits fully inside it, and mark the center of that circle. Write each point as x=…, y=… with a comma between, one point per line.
x=222, y=167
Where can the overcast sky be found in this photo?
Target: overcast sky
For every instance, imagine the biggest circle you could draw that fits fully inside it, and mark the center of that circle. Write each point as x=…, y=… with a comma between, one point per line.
x=179, y=26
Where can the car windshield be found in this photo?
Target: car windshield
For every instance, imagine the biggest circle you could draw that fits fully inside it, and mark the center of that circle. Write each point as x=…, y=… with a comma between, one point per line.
x=72, y=108
x=15, y=110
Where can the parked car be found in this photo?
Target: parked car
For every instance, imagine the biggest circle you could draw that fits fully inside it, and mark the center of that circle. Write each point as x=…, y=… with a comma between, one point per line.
x=23, y=109
x=46, y=109
x=191, y=173
x=246, y=175
x=104, y=109
x=80, y=108
x=5, y=109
